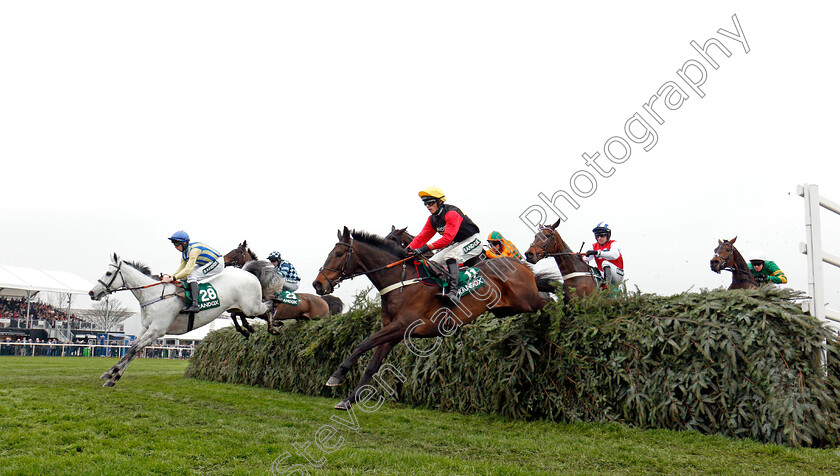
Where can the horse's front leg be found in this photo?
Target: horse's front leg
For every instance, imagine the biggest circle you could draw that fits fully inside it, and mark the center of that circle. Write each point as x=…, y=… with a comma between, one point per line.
x=271, y=318
x=116, y=367
x=373, y=366
x=233, y=317
x=392, y=333
x=247, y=325
x=147, y=338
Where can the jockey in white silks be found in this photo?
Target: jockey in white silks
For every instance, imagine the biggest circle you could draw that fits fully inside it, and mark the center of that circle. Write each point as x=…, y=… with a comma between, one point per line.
x=606, y=255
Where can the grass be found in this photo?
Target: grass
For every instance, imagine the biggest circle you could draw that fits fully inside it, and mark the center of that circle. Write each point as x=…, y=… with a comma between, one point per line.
x=55, y=418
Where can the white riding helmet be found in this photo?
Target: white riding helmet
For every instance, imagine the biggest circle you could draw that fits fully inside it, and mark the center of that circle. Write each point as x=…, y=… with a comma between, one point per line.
x=757, y=256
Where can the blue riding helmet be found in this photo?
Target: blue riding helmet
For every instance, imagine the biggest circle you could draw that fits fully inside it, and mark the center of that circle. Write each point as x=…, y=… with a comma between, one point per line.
x=180, y=236
x=274, y=255
x=602, y=228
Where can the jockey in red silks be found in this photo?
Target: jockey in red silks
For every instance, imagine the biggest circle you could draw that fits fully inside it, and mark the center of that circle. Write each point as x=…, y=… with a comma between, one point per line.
x=458, y=243
x=606, y=255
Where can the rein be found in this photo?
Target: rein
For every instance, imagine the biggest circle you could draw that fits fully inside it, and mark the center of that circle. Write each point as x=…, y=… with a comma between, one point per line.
x=342, y=276
x=109, y=290
x=732, y=268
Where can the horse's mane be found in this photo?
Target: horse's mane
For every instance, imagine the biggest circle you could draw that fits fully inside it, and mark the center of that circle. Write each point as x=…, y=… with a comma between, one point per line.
x=140, y=267
x=380, y=243
x=252, y=254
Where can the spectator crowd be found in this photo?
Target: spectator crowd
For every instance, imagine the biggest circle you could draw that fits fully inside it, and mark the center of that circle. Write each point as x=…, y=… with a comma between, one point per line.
x=13, y=310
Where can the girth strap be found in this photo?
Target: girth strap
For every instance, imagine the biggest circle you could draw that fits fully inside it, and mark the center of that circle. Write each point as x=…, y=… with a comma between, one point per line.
x=579, y=274
x=398, y=285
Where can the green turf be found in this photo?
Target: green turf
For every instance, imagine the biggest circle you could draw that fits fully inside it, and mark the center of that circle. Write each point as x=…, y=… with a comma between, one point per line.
x=55, y=418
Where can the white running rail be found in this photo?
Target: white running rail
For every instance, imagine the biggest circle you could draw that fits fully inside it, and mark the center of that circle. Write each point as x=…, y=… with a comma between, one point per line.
x=816, y=256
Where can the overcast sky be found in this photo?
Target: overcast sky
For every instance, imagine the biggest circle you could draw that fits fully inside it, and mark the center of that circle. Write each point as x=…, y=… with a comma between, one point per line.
x=281, y=122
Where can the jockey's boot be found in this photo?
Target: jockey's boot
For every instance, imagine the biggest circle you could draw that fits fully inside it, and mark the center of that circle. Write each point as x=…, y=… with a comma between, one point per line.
x=192, y=305
x=452, y=281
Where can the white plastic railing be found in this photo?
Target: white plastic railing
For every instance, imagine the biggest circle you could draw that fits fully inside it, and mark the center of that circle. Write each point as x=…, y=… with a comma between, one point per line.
x=816, y=256
x=89, y=350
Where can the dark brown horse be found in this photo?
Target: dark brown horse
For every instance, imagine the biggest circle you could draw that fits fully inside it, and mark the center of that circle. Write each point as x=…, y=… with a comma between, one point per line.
x=577, y=278
x=240, y=255
x=309, y=306
x=728, y=258
x=411, y=310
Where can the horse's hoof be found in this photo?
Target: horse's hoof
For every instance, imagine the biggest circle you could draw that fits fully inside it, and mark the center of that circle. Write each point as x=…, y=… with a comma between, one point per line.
x=109, y=383
x=334, y=382
x=274, y=332
x=343, y=405
x=106, y=375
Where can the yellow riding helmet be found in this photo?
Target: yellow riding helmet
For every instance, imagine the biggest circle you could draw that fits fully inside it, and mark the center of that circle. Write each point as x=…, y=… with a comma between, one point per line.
x=433, y=192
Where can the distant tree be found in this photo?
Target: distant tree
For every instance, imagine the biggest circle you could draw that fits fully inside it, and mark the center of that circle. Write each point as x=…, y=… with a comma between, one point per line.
x=105, y=314
x=59, y=301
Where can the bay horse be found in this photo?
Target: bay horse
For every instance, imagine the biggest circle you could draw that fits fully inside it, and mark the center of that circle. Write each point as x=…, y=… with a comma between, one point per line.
x=309, y=306
x=414, y=311
x=728, y=258
x=577, y=276
x=160, y=314
x=240, y=255
x=544, y=278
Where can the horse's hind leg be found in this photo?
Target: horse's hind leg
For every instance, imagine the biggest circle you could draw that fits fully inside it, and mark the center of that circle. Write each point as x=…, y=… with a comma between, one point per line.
x=373, y=366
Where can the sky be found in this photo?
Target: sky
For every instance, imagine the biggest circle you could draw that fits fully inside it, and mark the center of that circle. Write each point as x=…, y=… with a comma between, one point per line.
x=281, y=122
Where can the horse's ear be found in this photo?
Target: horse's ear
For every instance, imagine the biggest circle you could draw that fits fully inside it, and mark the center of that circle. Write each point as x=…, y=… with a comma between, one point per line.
x=393, y=228
x=556, y=224
x=245, y=243
x=732, y=241
x=346, y=233
x=116, y=258
x=720, y=242
x=402, y=230
x=338, y=234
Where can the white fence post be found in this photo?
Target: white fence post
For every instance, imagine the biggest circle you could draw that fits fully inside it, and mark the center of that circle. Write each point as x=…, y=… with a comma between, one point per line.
x=812, y=248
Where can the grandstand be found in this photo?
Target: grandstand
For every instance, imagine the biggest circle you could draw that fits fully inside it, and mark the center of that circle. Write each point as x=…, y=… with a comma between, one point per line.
x=21, y=315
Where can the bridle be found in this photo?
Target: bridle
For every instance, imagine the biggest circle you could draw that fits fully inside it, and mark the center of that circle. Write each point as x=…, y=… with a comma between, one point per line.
x=118, y=272
x=107, y=287
x=729, y=258
x=239, y=259
x=342, y=272
x=547, y=243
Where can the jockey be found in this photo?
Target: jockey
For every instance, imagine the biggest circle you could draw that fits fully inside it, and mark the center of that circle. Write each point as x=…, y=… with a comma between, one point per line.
x=765, y=271
x=286, y=270
x=458, y=243
x=606, y=255
x=499, y=247
x=199, y=262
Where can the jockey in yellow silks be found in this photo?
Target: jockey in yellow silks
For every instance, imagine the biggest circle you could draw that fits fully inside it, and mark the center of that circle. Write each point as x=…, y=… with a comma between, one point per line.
x=199, y=262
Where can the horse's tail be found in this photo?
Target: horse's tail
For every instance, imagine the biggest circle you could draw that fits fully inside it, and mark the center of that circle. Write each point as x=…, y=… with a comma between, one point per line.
x=545, y=278
x=334, y=303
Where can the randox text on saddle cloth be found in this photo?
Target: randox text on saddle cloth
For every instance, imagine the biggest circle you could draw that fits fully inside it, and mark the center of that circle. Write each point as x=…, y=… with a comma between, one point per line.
x=640, y=128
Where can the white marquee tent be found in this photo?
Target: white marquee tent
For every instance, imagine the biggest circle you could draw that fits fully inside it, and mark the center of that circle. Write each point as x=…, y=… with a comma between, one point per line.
x=17, y=281
x=20, y=282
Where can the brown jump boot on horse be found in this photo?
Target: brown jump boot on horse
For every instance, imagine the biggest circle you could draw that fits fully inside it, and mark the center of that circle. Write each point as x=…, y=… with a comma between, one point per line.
x=192, y=305
x=451, y=274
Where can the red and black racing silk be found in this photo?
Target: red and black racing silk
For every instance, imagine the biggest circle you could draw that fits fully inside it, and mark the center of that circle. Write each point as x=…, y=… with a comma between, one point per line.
x=451, y=223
